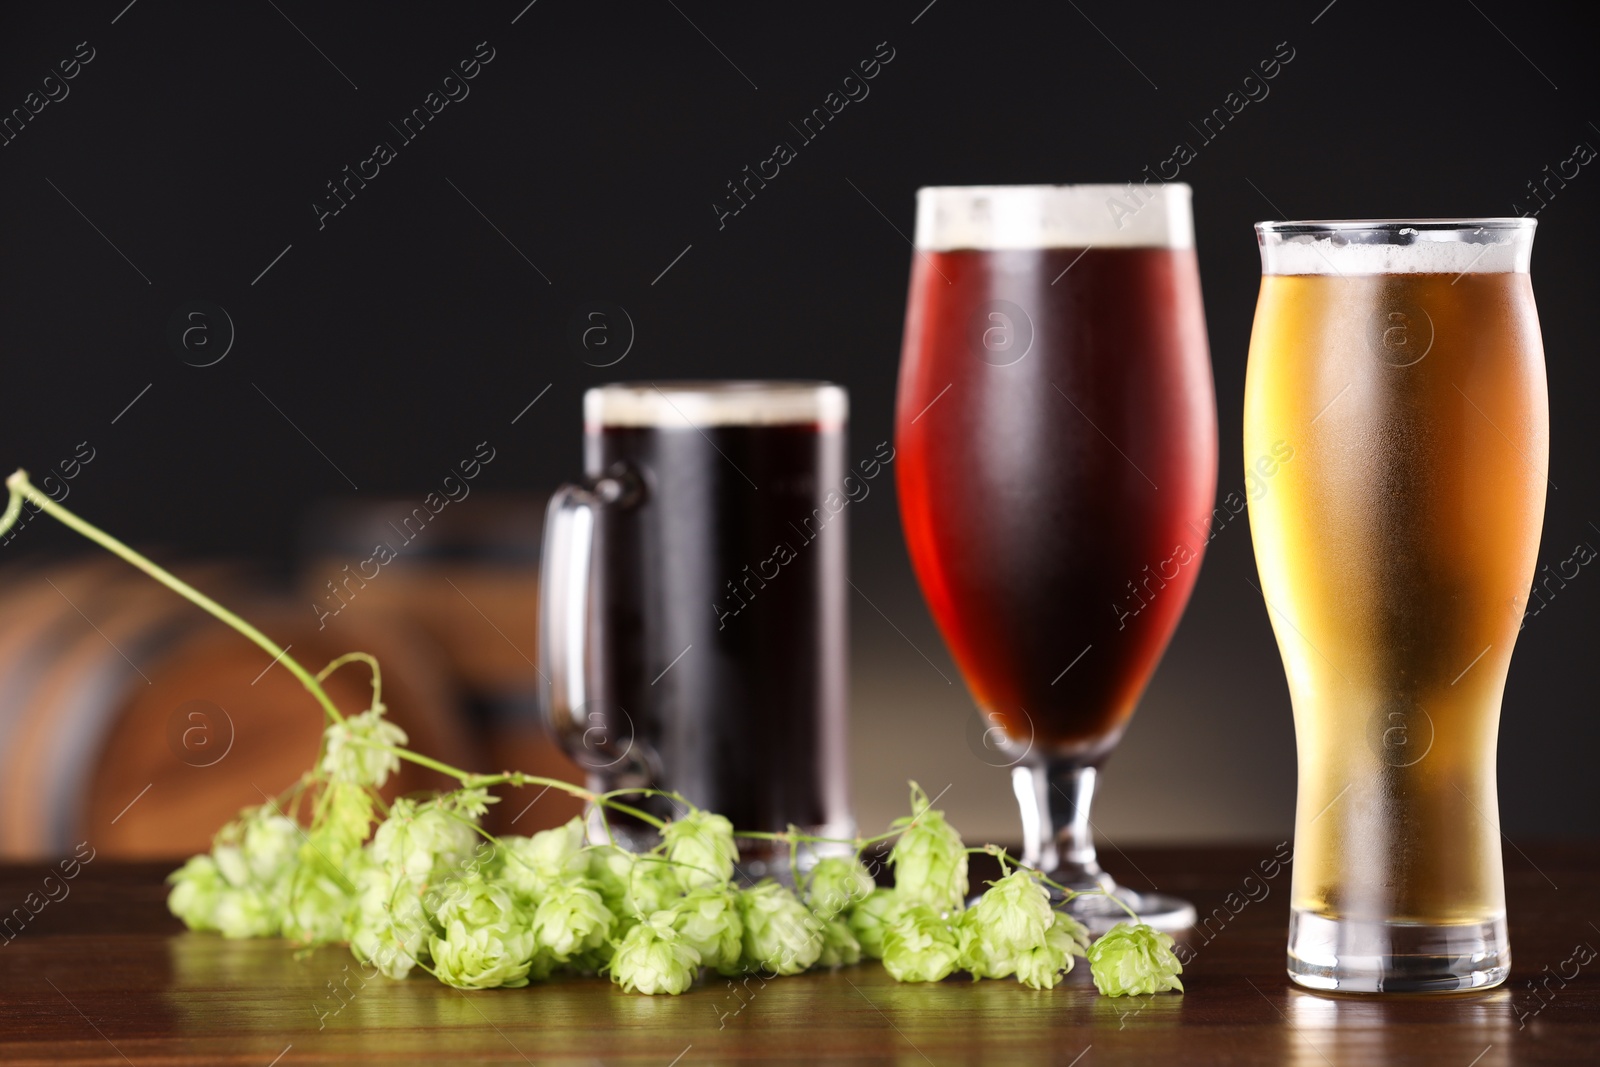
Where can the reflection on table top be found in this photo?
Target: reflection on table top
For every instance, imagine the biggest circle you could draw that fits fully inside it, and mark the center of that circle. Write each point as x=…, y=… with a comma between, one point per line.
x=104, y=975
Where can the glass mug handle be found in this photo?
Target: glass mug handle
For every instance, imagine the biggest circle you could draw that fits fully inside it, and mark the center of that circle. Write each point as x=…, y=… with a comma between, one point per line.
x=567, y=656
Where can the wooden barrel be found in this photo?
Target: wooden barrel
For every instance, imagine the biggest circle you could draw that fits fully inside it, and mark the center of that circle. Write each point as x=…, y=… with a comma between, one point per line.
x=134, y=721
x=469, y=579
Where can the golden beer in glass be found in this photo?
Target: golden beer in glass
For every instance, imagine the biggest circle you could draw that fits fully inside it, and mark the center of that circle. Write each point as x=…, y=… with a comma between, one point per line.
x=1399, y=366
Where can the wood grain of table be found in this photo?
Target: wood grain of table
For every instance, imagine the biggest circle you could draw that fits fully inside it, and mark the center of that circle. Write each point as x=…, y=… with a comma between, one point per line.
x=105, y=976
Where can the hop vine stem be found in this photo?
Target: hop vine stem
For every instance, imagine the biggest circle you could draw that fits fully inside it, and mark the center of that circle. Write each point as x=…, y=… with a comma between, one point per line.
x=23, y=490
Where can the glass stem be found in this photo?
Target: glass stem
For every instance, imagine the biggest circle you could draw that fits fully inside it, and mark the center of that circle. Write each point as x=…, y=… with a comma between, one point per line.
x=1054, y=797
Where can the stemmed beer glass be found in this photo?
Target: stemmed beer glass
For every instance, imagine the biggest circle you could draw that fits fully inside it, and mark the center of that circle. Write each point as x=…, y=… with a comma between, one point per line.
x=1057, y=454
x=1402, y=364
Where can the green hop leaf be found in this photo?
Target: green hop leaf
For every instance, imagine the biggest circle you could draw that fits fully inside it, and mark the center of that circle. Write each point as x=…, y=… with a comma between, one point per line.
x=482, y=959
x=870, y=919
x=571, y=919
x=929, y=859
x=780, y=933
x=701, y=843
x=920, y=946
x=655, y=958
x=348, y=754
x=839, y=946
x=838, y=883
x=1134, y=960
x=708, y=920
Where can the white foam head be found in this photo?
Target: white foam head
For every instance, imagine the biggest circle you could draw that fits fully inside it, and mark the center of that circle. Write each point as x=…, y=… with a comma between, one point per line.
x=686, y=404
x=1397, y=246
x=996, y=217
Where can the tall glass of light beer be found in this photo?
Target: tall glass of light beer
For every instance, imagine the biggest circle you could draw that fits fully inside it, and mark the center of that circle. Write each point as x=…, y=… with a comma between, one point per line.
x=1396, y=415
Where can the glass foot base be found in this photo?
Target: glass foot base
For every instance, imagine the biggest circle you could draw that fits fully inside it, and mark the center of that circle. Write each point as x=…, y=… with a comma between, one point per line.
x=1100, y=913
x=1368, y=956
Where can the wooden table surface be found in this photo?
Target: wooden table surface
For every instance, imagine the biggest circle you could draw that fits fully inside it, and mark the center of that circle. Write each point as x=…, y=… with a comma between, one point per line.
x=105, y=975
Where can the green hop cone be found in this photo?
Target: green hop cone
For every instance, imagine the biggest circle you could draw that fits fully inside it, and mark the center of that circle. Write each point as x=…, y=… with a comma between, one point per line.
x=248, y=911
x=1134, y=960
x=196, y=891
x=708, y=920
x=837, y=884
x=235, y=870
x=839, y=946
x=870, y=919
x=530, y=865
x=472, y=900
x=348, y=752
x=423, y=842
x=1042, y=966
x=701, y=843
x=655, y=958
x=920, y=946
x=481, y=959
x=780, y=933
x=929, y=859
x=571, y=919
x=979, y=955
x=656, y=885
x=1008, y=920
x=269, y=846
x=473, y=802
x=634, y=887
x=1076, y=933
x=387, y=926
x=317, y=906
x=344, y=823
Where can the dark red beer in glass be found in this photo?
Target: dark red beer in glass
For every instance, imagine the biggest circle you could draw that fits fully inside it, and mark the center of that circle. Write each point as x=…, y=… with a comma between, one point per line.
x=1056, y=463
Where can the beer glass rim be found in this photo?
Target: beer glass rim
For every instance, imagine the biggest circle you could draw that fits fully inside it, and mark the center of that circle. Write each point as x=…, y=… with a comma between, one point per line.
x=1396, y=227
x=1396, y=246
x=694, y=403
x=990, y=218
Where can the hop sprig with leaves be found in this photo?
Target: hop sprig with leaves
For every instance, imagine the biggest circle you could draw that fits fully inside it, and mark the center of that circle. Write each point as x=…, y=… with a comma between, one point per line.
x=420, y=884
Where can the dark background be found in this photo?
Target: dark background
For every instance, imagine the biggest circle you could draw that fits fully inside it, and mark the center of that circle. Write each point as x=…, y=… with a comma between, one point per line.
x=416, y=324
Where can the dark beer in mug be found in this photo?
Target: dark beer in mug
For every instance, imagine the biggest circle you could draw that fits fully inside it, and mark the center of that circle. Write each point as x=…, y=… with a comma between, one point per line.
x=714, y=620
